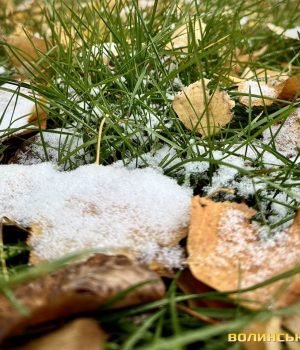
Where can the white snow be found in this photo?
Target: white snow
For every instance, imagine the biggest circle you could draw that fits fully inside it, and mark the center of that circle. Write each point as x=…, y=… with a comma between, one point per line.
x=107, y=208
x=53, y=146
x=2, y=70
x=257, y=255
x=260, y=89
x=14, y=108
x=292, y=33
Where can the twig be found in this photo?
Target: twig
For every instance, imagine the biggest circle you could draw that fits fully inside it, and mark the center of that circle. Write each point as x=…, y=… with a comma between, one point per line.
x=99, y=140
x=196, y=314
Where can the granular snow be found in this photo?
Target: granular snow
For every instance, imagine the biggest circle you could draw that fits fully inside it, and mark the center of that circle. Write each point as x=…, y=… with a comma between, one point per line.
x=107, y=208
x=286, y=136
x=53, y=146
x=258, y=255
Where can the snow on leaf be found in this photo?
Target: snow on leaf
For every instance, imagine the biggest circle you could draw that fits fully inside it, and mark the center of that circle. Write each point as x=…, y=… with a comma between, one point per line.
x=257, y=93
x=79, y=288
x=282, y=87
x=182, y=37
x=227, y=251
x=113, y=209
x=201, y=111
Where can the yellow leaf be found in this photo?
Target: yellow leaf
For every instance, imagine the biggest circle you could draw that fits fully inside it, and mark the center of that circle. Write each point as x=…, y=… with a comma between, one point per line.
x=182, y=37
x=202, y=111
x=227, y=252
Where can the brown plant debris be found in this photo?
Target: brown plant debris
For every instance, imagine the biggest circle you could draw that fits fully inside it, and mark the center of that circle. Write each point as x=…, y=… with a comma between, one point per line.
x=78, y=288
x=81, y=334
x=204, y=112
x=227, y=251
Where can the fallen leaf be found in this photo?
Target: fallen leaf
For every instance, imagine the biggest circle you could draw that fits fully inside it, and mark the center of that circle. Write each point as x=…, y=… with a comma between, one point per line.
x=292, y=33
x=281, y=87
x=290, y=88
x=258, y=93
x=267, y=75
x=229, y=252
x=240, y=61
x=201, y=111
x=79, y=288
x=190, y=285
x=182, y=36
x=23, y=50
x=285, y=135
x=80, y=334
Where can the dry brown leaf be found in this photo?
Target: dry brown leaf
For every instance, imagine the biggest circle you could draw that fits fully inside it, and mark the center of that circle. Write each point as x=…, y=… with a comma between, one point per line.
x=290, y=88
x=240, y=60
x=227, y=253
x=78, y=288
x=190, y=106
x=182, y=37
x=24, y=48
x=190, y=285
x=80, y=334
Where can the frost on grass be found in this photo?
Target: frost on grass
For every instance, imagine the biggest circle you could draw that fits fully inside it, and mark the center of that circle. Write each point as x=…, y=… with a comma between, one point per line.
x=112, y=209
x=54, y=146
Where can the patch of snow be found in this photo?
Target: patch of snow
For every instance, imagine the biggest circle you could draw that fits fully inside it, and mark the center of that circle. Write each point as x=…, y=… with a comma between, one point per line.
x=286, y=136
x=52, y=146
x=2, y=70
x=97, y=207
x=260, y=89
x=15, y=109
x=292, y=33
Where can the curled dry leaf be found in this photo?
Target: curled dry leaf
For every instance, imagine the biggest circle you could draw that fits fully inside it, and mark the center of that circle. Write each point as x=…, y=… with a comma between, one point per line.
x=19, y=111
x=80, y=334
x=201, y=111
x=228, y=252
x=182, y=36
x=78, y=288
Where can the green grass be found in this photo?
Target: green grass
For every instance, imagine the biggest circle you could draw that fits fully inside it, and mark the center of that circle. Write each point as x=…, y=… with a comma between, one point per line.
x=140, y=83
